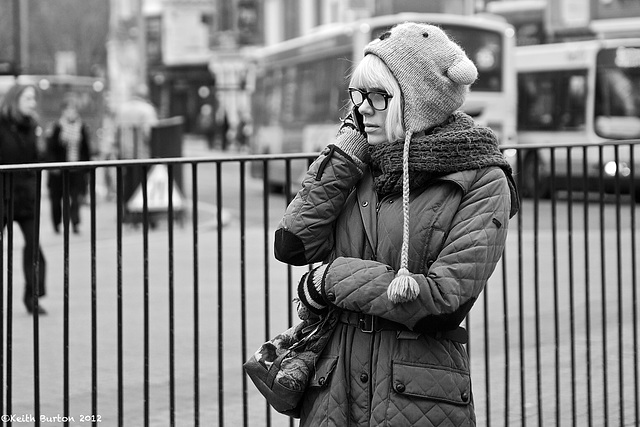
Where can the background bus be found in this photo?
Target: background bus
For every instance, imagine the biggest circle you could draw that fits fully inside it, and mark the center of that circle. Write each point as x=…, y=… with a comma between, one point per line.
x=301, y=84
x=89, y=91
x=585, y=92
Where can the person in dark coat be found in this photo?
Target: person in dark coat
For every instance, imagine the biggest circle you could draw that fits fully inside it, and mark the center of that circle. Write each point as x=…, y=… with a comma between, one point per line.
x=18, y=145
x=404, y=218
x=69, y=142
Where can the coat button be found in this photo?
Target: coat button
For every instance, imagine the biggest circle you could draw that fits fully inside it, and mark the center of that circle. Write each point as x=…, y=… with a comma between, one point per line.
x=365, y=204
x=322, y=381
x=331, y=296
x=364, y=377
x=464, y=396
x=400, y=387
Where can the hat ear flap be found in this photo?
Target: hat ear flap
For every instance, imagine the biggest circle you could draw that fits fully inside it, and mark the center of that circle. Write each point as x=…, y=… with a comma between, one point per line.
x=463, y=72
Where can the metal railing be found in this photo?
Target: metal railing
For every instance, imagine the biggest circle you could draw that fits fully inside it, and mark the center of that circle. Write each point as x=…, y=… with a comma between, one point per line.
x=154, y=306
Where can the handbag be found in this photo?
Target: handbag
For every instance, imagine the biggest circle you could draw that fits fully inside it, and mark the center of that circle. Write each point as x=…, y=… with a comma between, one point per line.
x=282, y=367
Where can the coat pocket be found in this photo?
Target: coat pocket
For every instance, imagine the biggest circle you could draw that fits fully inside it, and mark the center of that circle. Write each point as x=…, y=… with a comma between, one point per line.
x=432, y=382
x=324, y=369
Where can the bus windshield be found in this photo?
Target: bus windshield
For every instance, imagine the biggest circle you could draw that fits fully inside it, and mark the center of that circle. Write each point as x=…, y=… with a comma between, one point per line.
x=617, y=103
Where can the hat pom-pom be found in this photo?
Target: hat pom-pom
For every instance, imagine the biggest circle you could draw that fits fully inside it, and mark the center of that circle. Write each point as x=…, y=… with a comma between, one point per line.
x=463, y=72
x=403, y=288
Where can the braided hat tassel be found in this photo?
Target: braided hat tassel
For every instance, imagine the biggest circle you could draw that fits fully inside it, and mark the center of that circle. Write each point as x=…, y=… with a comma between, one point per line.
x=404, y=288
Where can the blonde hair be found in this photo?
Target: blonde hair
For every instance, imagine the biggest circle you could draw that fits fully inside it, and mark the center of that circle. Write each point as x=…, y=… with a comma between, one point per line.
x=372, y=72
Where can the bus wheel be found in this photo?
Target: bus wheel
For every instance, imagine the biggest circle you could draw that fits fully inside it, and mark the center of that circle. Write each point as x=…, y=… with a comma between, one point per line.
x=533, y=182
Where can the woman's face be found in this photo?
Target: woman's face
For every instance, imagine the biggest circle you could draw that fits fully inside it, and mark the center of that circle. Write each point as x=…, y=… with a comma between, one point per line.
x=374, y=119
x=70, y=113
x=27, y=102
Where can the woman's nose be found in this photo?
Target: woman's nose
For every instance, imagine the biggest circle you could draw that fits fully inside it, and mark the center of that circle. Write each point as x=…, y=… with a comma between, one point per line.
x=365, y=108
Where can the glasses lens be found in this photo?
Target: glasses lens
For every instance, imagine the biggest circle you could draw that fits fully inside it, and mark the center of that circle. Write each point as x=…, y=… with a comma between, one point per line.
x=356, y=97
x=378, y=101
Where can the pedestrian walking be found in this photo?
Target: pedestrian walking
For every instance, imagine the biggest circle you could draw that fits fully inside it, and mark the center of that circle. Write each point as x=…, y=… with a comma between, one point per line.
x=68, y=142
x=407, y=212
x=19, y=145
x=206, y=124
x=134, y=120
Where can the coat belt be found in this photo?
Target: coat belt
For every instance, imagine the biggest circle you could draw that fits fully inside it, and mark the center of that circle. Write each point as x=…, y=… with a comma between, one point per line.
x=371, y=324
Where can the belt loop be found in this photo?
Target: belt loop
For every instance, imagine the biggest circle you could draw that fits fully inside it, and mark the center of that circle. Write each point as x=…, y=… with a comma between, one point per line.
x=366, y=323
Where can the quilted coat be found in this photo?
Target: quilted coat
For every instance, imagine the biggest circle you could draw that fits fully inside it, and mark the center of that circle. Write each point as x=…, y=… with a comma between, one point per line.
x=412, y=376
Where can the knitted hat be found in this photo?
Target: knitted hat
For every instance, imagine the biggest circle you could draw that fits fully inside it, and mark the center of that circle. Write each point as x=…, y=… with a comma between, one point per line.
x=433, y=73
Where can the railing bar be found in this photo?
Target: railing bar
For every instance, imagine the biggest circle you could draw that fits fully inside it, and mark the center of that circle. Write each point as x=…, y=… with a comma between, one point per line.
x=65, y=284
x=556, y=310
x=523, y=409
x=243, y=292
x=634, y=290
x=287, y=199
x=618, y=208
x=603, y=283
x=172, y=365
x=506, y=336
x=2, y=338
x=94, y=300
x=587, y=284
x=487, y=364
x=536, y=286
x=119, y=315
x=572, y=322
x=266, y=254
x=196, y=296
x=220, y=295
x=145, y=291
x=290, y=295
x=507, y=340
x=36, y=285
x=9, y=380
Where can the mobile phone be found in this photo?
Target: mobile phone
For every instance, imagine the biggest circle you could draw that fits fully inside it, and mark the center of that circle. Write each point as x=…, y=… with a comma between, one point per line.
x=357, y=118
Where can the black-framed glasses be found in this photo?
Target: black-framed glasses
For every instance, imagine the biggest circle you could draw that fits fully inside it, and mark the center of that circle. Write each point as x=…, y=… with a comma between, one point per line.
x=377, y=100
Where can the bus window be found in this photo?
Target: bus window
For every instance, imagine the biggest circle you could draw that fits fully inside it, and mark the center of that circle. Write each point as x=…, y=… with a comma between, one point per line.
x=552, y=100
x=290, y=101
x=617, y=103
x=272, y=98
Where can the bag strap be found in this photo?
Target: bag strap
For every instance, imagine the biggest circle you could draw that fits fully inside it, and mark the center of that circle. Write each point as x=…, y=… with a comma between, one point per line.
x=274, y=369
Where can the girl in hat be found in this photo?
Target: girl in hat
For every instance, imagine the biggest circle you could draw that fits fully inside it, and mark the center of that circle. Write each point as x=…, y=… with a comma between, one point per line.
x=407, y=212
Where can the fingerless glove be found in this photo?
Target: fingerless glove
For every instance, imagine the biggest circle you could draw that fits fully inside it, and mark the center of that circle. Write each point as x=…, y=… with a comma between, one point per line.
x=352, y=141
x=310, y=290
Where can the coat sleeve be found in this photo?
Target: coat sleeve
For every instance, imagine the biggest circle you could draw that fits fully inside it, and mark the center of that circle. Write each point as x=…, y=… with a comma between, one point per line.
x=306, y=232
x=450, y=286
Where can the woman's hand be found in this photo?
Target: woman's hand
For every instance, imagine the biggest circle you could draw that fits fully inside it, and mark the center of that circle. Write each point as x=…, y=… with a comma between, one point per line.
x=351, y=137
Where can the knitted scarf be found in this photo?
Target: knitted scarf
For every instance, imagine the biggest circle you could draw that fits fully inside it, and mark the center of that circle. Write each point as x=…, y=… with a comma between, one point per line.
x=456, y=145
x=70, y=134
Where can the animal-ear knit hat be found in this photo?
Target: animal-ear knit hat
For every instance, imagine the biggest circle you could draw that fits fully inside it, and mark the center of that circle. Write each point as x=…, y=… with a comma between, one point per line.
x=434, y=75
